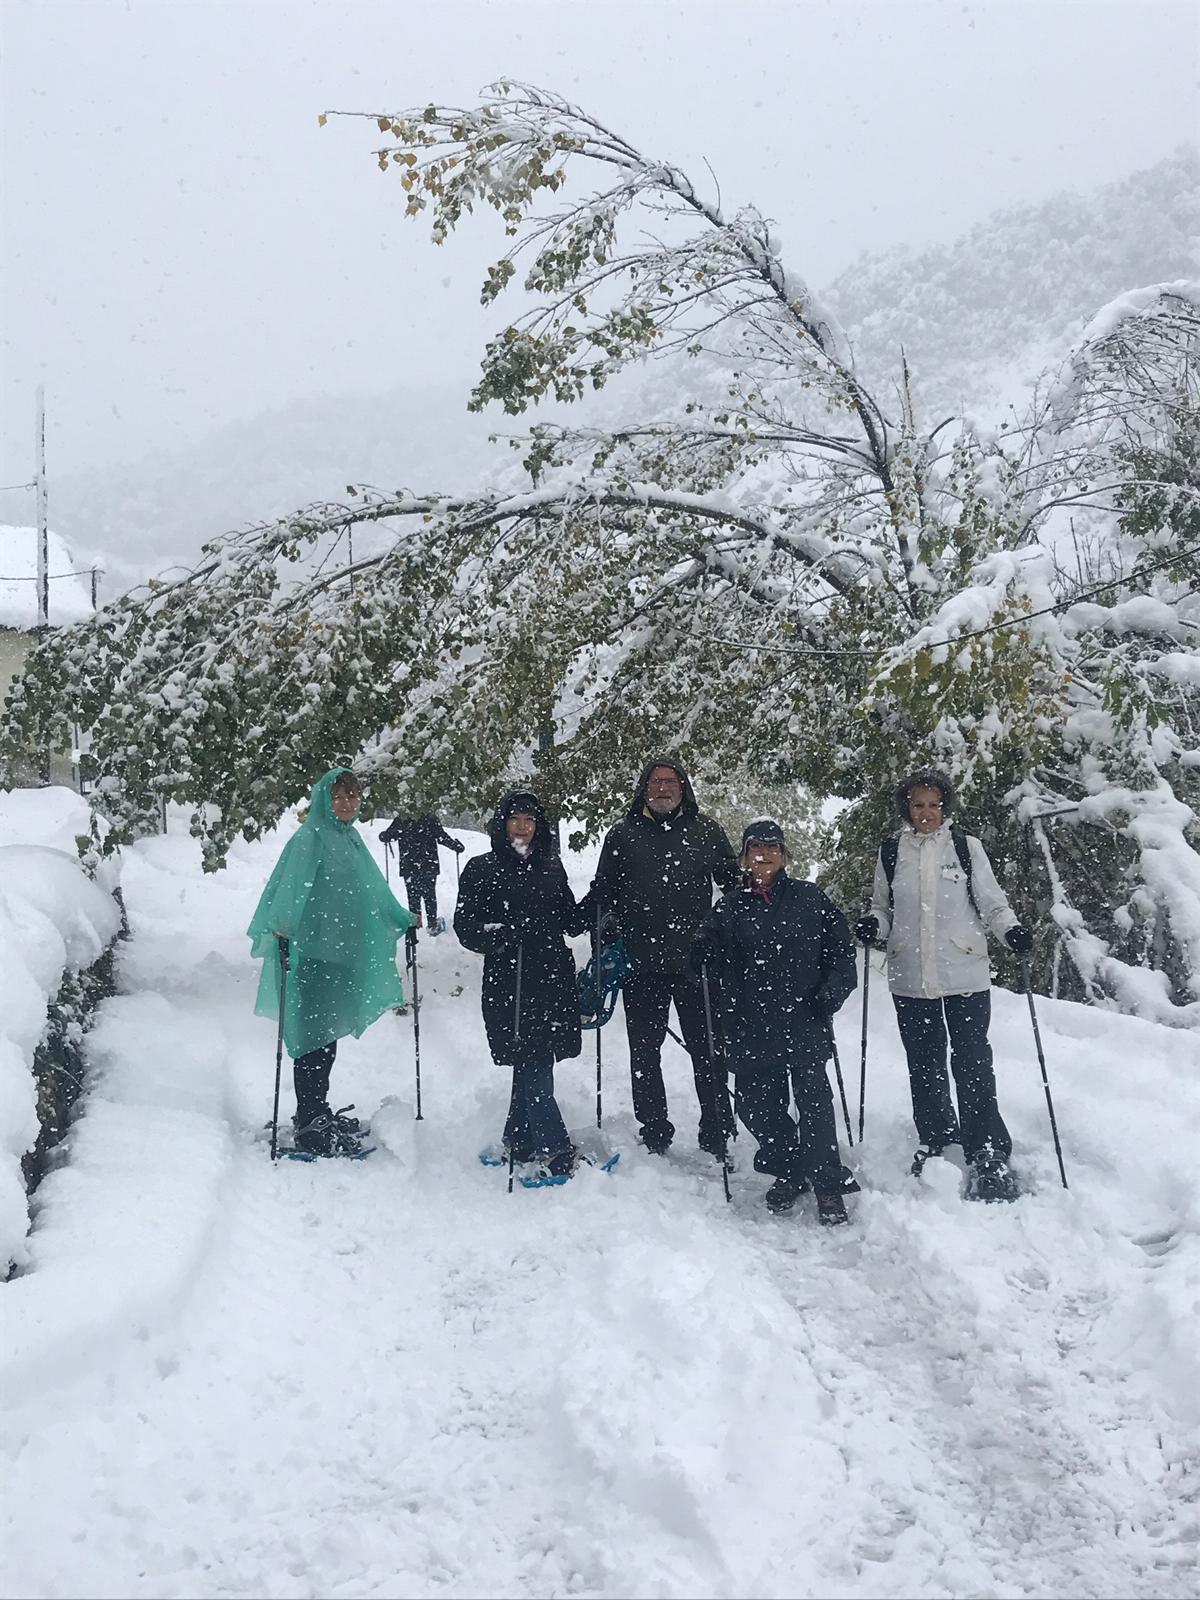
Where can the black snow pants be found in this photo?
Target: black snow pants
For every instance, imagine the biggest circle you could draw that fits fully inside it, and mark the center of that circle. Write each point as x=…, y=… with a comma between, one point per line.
x=805, y=1154
x=648, y=997
x=310, y=1075
x=421, y=889
x=923, y=1028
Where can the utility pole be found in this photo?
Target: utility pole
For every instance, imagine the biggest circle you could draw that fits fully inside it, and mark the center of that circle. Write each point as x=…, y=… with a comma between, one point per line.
x=39, y=483
x=43, y=555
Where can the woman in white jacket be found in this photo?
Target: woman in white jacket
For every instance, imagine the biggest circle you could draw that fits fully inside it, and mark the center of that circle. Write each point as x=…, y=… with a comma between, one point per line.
x=935, y=917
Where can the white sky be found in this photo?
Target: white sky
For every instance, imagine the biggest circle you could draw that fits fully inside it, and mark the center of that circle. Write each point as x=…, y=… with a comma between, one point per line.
x=183, y=245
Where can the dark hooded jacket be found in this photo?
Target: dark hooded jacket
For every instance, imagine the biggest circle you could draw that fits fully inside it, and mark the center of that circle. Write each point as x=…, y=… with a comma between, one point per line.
x=416, y=840
x=657, y=876
x=785, y=964
x=505, y=904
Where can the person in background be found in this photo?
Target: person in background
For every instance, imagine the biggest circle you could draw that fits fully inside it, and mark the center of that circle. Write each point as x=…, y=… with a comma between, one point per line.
x=934, y=901
x=416, y=840
x=785, y=959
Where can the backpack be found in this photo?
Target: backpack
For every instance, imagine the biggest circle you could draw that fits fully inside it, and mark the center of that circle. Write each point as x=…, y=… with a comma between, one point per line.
x=889, y=851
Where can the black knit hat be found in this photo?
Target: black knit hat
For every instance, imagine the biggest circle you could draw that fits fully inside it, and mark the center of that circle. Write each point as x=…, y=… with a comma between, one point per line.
x=763, y=832
x=924, y=778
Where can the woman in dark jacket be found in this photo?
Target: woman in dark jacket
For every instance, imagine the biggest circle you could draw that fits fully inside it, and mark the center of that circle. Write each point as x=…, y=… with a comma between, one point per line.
x=514, y=906
x=786, y=963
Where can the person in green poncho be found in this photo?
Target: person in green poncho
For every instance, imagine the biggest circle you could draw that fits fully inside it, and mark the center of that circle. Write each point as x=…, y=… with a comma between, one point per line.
x=328, y=900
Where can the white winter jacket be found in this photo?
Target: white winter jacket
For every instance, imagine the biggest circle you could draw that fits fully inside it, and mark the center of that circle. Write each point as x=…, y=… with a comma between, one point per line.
x=936, y=942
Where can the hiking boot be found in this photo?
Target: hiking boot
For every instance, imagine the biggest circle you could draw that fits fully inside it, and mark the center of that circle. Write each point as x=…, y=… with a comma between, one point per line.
x=657, y=1138
x=563, y=1164
x=991, y=1180
x=783, y=1194
x=831, y=1209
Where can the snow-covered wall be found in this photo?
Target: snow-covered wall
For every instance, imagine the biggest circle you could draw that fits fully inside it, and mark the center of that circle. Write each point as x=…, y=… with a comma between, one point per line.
x=54, y=921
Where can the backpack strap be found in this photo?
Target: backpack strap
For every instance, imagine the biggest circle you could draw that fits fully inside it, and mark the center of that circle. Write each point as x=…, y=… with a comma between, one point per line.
x=963, y=851
x=888, y=852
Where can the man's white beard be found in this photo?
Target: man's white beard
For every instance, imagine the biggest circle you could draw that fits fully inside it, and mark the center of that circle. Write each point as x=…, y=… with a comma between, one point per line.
x=663, y=808
x=522, y=847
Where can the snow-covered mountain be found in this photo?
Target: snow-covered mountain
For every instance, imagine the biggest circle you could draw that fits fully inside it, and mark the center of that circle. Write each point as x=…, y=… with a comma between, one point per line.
x=978, y=320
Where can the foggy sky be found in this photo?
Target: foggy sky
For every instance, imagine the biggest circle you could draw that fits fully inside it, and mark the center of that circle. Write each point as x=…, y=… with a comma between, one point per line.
x=183, y=245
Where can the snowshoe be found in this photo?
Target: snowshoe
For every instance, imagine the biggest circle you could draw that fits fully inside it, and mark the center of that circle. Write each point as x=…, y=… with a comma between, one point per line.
x=849, y=1183
x=324, y=1137
x=348, y=1127
x=831, y=1208
x=922, y=1154
x=991, y=1180
x=600, y=982
x=783, y=1194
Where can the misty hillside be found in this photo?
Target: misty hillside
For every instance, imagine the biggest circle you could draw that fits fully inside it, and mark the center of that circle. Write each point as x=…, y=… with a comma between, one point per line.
x=978, y=320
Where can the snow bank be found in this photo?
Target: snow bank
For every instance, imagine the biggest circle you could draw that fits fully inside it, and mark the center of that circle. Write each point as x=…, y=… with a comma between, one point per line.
x=53, y=919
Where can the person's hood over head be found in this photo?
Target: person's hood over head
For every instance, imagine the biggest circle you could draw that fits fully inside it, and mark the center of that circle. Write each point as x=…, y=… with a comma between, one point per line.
x=320, y=801
x=545, y=838
x=687, y=807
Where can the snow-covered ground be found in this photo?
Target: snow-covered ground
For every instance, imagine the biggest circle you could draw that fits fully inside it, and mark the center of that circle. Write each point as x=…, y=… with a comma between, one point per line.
x=390, y=1378
x=54, y=919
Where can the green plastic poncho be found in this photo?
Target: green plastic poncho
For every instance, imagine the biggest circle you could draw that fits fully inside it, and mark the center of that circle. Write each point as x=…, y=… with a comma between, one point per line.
x=329, y=899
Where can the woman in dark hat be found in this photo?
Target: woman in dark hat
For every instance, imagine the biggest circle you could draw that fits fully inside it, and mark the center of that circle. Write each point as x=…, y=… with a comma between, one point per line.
x=514, y=907
x=785, y=959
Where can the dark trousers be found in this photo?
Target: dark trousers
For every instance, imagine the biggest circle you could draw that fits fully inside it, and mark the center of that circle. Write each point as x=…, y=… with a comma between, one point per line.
x=535, y=1126
x=422, y=889
x=804, y=1154
x=648, y=998
x=310, y=1075
x=923, y=1029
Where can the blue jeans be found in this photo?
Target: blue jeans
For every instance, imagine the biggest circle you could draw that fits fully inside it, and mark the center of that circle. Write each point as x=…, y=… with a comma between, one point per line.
x=535, y=1126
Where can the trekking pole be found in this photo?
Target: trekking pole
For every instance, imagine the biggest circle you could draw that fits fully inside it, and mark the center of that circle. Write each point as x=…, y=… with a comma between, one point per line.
x=599, y=1097
x=411, y=941
x=712, y=1076
x=1037, y=1039
x=837, y=1067
x=516, y=1050
x=387, y=863
x=283, y=972
x=862, y=1080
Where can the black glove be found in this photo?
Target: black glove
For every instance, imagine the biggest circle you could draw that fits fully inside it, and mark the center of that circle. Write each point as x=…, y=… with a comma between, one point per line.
x=459, y=847
x=501, y=938
x=866, y=930
x=1019, y=940
x=706, y=947
x=410, y=937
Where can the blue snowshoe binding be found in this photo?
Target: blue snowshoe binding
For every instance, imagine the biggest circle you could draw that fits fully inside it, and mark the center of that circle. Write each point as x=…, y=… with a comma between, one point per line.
x=600, y=982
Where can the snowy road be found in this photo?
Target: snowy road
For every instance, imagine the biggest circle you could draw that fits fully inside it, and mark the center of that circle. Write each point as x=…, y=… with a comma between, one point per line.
x=389, y=1378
